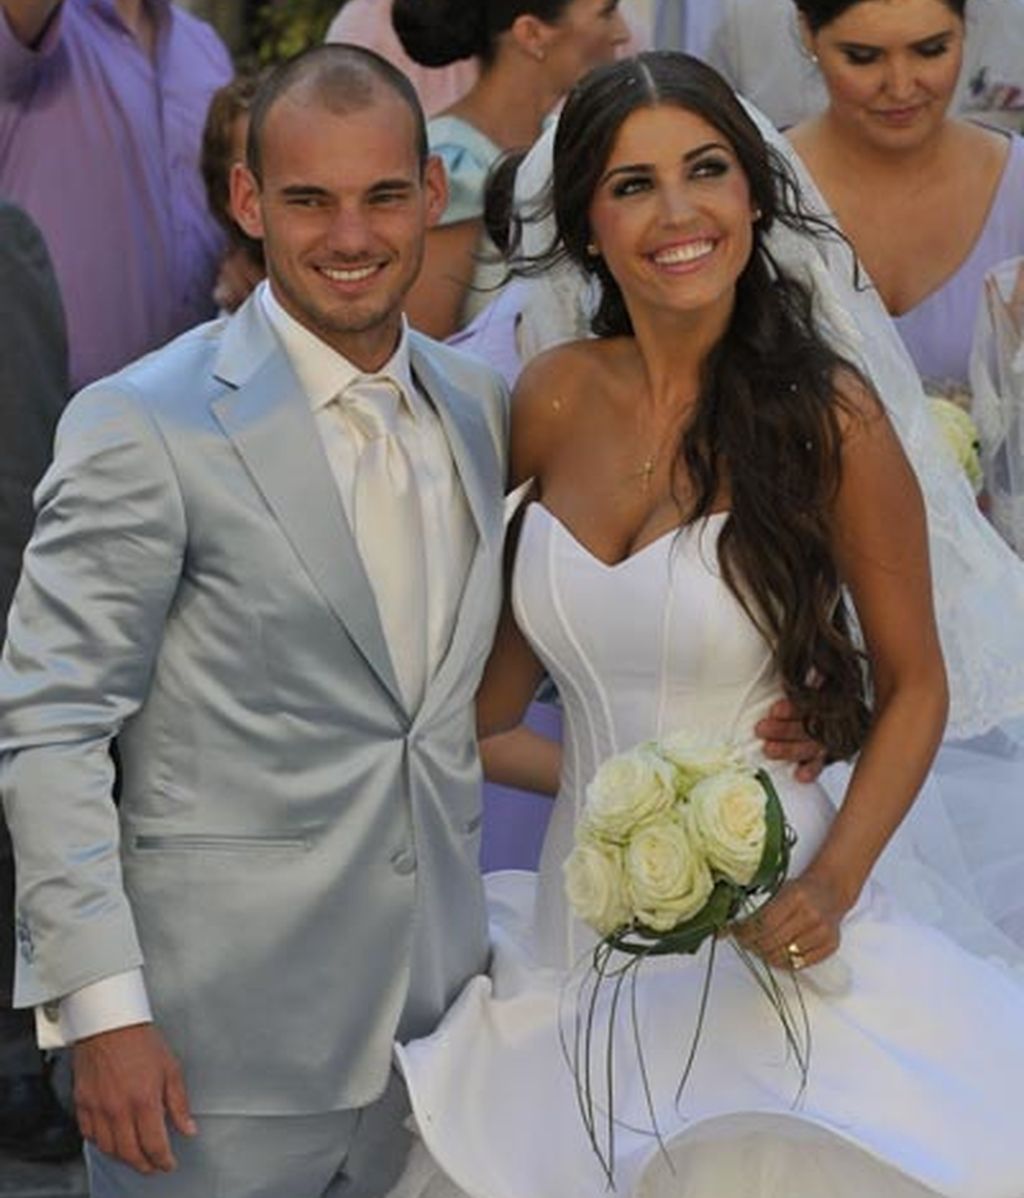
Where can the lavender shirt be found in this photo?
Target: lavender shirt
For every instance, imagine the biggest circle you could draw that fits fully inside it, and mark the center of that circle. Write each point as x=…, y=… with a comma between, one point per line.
x=938, y=331
x=101, y=146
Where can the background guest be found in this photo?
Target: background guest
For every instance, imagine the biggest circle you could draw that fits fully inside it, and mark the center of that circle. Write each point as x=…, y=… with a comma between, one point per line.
x=33, y=389
x=224, y=136
x=930, y=202
x=368, y=23
x=531, y=52
x=106, y=99
x=685, y=25
x=757, y=46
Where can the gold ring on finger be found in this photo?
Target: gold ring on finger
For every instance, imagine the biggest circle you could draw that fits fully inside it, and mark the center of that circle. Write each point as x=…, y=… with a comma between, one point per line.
x=796, y=957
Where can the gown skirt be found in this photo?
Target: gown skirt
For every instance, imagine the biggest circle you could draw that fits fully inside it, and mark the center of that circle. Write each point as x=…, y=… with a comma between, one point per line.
x=915, y=1042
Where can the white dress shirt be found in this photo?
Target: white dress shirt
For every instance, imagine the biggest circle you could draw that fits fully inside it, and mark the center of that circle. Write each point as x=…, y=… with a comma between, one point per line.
x=121, y=1000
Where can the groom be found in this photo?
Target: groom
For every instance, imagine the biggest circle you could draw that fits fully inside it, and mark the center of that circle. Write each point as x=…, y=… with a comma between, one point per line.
x=267, y=559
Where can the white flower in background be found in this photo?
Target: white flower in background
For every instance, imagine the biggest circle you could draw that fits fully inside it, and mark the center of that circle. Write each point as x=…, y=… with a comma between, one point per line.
x=627, y=790
x=960, y=435
x=596, y=887
x=728, y=822
x=668, y=879
x=695, y=759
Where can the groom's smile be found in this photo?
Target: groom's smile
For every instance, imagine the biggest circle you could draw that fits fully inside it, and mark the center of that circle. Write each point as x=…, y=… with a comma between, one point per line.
x=342, y=206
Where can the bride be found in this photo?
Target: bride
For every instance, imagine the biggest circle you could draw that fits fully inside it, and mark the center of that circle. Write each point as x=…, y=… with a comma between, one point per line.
x=711, y=481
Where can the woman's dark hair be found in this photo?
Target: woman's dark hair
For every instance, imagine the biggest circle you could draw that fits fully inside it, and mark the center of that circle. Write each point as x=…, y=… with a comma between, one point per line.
x=766, y=423
x=228, y=105
x=819, y=13
x=437, y=32
x=499, y=200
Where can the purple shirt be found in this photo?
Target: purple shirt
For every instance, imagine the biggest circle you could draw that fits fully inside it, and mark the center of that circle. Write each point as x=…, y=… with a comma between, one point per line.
x=101, y=146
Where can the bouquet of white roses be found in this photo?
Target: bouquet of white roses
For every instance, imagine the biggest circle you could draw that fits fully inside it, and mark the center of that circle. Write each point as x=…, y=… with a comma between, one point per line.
x=678, y=839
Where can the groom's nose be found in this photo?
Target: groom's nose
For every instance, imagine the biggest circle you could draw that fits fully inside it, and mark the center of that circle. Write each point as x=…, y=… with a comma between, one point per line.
x=350, y=231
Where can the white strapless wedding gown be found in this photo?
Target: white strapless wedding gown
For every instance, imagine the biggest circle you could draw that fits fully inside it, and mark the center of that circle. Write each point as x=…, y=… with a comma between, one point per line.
x=917, y=1046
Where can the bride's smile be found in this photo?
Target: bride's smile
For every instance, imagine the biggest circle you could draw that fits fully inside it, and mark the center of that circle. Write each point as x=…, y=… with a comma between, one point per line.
x=672, y=214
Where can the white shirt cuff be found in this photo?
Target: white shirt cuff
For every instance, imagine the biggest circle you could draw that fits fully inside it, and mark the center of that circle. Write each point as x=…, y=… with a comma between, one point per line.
x=117, y=1001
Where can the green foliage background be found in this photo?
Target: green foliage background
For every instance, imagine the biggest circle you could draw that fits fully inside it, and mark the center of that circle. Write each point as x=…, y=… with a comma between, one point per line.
x=282, y=28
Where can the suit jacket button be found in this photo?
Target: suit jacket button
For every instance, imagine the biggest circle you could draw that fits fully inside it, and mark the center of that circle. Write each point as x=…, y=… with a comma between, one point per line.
x=404, y=861
x=51, y=1012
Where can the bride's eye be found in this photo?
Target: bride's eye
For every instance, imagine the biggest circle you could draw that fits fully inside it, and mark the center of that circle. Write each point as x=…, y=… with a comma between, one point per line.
x=630, y=185
x=711, y=167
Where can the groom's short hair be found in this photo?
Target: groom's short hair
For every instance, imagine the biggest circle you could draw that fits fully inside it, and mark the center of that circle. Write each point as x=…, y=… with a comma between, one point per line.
x=343, y=78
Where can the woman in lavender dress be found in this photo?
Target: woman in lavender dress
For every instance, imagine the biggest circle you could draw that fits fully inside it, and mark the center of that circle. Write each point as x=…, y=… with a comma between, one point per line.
x=929, y=202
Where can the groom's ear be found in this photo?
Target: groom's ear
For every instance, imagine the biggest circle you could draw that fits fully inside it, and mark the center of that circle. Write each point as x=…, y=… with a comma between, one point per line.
x=435, y=189
x=244, y=199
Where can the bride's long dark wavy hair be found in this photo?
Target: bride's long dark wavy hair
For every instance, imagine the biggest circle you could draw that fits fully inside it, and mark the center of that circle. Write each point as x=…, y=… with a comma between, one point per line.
x=766, y=424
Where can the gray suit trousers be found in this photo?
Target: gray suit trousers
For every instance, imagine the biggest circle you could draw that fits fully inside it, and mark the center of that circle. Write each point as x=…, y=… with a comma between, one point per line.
x=339, y=1154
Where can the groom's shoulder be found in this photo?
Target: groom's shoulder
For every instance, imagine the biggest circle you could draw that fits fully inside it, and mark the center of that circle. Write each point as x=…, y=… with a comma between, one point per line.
x=170, y=388
x=184, y=364
x=182, y=368
x=461, y=369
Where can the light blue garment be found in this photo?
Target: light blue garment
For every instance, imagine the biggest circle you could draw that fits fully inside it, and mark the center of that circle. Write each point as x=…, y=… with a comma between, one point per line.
x=467, y=155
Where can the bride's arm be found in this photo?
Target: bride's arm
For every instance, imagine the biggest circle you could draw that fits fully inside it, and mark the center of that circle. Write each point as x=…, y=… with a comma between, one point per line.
x=513, y=671
x=881, y=547
x=523, y=759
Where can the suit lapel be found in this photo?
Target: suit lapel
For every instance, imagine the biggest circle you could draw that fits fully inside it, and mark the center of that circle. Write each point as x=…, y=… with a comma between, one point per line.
x=470, y=440
x=480, y=472
x=268, y=420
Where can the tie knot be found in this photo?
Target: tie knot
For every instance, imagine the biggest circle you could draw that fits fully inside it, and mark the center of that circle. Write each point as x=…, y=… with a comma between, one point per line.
x=372, y=402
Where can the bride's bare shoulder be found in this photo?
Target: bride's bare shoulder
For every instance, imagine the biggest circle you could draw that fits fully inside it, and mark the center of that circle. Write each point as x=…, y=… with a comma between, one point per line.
x=547, y=398
x=563, y=365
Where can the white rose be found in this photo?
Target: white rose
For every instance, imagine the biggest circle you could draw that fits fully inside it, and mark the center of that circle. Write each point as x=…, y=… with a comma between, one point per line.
x=668, y=878
x=695, y=758
x=628, y=790
x=596, y=887
x=960, y=435
x=728, y=814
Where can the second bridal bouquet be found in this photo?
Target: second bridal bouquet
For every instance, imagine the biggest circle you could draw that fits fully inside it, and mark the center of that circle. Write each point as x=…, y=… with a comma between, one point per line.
x=678, y=839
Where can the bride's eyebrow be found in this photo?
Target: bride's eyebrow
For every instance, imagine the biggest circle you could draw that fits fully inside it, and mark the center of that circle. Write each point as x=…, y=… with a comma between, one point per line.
x=634, y=167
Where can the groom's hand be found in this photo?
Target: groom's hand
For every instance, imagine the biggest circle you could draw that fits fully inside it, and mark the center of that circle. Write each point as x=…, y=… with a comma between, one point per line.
x=127, y=1083
x=786, y=739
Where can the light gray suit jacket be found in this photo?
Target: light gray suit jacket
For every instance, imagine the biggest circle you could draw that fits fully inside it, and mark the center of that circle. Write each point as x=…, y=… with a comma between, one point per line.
x=295, y=855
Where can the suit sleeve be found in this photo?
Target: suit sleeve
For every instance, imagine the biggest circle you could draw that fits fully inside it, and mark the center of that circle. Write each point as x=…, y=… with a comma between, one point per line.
x=100, y=574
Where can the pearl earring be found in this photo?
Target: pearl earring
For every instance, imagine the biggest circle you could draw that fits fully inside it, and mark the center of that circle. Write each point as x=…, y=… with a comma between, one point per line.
x=592, y=250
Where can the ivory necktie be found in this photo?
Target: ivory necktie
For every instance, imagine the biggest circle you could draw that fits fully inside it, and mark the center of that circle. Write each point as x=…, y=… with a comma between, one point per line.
x=388, y=524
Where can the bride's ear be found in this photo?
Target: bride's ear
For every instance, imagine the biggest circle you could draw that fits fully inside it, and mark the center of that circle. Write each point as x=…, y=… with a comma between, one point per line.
x=808, y=41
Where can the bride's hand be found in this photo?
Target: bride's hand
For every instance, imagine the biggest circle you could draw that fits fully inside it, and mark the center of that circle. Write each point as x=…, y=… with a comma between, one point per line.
x=798, y=927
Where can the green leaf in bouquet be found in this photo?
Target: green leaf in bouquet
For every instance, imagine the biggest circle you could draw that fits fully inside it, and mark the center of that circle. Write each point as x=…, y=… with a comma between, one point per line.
x=686, y=937
x=778, y=841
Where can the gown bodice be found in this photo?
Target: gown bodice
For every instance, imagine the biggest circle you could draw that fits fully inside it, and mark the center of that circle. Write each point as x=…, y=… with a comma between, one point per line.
x=654, y=645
